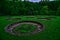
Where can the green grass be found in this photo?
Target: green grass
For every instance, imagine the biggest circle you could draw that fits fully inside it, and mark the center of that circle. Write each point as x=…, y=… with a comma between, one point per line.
x=51, y=29
x=23, y=28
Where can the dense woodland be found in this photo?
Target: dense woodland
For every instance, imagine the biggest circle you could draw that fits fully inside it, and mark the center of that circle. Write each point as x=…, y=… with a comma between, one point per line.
x=29, y=8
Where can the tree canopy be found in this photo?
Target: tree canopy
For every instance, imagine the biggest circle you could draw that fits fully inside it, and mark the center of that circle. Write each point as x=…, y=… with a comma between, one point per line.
x=29, y=8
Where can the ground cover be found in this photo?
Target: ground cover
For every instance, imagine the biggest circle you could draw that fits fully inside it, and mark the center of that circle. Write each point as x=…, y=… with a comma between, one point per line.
x=51, y=29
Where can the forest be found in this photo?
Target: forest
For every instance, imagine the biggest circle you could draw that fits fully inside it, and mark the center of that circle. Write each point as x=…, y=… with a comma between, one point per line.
x=29, y=8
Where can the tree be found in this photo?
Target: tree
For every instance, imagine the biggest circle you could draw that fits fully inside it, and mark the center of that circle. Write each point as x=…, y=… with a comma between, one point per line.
x=58, y=11
x=44, y=10
x=56, y=0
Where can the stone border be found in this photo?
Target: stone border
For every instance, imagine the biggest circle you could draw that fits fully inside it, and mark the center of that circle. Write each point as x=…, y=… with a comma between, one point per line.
x=13, y=18
x=10, y=27
x=46, y=18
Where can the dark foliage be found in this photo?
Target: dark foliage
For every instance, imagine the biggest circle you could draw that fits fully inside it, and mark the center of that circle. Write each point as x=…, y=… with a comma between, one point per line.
x=29, y=8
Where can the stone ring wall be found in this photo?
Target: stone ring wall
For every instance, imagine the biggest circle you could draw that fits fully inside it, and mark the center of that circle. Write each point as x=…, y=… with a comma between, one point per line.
x=9, y=28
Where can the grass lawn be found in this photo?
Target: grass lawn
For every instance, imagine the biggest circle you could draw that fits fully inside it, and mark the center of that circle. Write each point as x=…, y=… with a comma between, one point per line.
x=24, y=28
x=51, y=29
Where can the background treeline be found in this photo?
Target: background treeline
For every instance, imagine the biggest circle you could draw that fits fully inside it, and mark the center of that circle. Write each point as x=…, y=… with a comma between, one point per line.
x=29, y=8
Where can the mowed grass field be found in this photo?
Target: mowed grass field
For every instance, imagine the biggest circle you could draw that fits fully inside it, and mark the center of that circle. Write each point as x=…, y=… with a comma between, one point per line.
x=51, y=29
